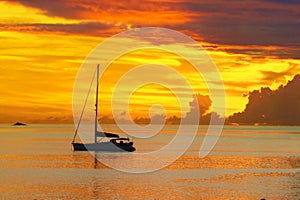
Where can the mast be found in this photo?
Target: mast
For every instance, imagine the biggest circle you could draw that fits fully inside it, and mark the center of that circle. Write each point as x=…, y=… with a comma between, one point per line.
x=85, y=102
x=96, y=104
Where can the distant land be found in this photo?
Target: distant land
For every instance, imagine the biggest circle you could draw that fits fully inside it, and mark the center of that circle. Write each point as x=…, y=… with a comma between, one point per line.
x=19, y=124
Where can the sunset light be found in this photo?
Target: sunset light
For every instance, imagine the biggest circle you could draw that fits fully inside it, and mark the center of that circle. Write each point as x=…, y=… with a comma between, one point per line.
x=149, y=99
x=43, y=46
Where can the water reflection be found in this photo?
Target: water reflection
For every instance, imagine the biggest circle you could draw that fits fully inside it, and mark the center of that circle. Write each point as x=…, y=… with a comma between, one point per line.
x=41, y=165
x=86, y=160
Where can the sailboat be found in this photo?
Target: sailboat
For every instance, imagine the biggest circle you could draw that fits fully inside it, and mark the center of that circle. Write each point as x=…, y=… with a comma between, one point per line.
x=108, y=141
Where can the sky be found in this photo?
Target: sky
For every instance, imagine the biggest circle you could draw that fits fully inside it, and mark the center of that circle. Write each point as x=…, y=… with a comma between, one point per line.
x=253, y=43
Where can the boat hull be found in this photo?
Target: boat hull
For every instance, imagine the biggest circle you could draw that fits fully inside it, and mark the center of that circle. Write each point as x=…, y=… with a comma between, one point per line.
x=103, y=146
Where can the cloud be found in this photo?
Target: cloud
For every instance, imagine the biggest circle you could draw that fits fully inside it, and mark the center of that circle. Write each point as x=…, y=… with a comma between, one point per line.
x=111, y=11
x=247, y=24
x=282, y=52
x=260, y=23
x=278, y=107
x=84, y=28
x=271, y=76
x=291, y=2
x=200, y=103
x=204, y=104
x=246, y=20
x=55, y=8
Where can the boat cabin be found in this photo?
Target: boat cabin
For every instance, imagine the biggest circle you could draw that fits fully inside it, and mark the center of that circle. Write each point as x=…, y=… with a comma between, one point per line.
x=125, y=141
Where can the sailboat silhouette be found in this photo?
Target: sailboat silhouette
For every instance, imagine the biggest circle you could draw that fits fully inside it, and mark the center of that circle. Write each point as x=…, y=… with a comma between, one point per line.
x=114, y=142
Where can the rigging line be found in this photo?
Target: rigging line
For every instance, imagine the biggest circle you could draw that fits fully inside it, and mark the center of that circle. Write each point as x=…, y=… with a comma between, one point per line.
x=84, y=107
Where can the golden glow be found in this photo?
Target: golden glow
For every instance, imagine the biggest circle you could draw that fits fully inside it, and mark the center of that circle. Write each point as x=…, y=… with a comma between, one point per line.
x=38, y=67
x=37, y=79
x=155, y=95
x=149, y=94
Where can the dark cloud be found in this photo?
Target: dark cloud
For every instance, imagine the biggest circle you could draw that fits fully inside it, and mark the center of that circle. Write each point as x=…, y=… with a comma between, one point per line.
x=117, y=11
x=246, y=23
x=61, y=8
x=293, y=2
x=85, y=28
x=248, y=32
x=202, y=104
x=279, y=107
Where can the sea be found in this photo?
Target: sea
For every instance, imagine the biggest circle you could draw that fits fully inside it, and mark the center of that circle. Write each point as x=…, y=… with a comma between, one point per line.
x=247, y=162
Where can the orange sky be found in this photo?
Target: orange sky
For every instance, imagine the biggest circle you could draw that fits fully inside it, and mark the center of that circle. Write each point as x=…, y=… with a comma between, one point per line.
x=43, y=44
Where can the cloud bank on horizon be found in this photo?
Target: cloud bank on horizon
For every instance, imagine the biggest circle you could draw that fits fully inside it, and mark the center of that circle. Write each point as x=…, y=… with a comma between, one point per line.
x=272, y=107
x=264, y=107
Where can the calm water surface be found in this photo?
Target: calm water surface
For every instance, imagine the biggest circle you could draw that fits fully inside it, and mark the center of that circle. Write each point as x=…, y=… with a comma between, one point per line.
x=36, y=162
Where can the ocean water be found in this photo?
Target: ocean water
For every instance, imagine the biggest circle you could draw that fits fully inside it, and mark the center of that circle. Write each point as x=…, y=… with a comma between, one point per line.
x=248, y=162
